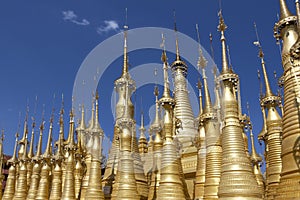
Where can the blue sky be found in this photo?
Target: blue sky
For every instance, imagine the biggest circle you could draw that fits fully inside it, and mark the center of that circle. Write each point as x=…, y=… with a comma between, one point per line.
x=43, y=44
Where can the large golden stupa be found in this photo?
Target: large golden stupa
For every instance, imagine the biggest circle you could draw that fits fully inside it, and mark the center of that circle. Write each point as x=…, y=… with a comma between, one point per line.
x=186, y=157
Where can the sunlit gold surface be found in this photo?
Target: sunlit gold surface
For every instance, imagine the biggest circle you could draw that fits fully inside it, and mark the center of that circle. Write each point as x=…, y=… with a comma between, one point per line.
x=237, y=177
x=286, y=30
x=186, y=157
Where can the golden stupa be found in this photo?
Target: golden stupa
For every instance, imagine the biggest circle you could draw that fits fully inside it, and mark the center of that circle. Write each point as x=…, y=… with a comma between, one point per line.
x=186, y=157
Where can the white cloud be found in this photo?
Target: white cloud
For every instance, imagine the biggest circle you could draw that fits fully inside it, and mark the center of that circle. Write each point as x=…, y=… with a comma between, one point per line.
x=70, y=16
x=110, y=25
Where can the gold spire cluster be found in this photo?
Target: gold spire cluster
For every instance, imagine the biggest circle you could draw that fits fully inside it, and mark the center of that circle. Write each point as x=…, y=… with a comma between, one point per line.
x=185, y=157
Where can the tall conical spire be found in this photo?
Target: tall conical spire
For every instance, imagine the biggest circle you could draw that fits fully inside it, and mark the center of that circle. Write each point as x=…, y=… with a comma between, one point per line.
x=284, y=10
x=156, y=122
x=97, y=123
x=48, y=151
x=254, y=155
x=222, y=27
x=71, y=142
x=261, y=55
x=30, y=152
x=125, y=61
x=199, y=86
x=202, y=63
x=236, y=168
x=178, y=63
x=256, y=161
x=142, y=140
x=82, y=121
x=177, y=45
x=268, y=88
x=13, y=159
x=92, y=120
x=286, y=30
x=39, y=147
x=25, y=132
x=164, y=59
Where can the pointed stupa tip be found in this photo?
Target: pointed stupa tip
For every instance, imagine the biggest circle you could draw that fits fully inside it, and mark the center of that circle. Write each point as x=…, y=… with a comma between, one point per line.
x=92, y=120
x=25, y=155
x=164, y=59
x=13, y=159
x=142, y=128
x=97, y=128
x=202, y=63
x=199, y=86
x=156, y=122
x=284, y=10
x=254, y=155
x=48, y=150
x=82, y=121
x=70, y=140
x=222, y=27
x=31, y=146
x=176, y=32
x=125, y=61
x=267, y=83
x=22, y=141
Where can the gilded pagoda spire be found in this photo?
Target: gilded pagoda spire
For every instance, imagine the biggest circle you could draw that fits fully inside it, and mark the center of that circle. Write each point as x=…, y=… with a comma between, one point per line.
x=88, y=138
x=164, y=59
x=82, y=120
x=222, y=27
x=142, y=139
x=120, y=86
x=286, y=30
x=79, y=154
x=56, y=185
x=37, y=159
x=69, y=183
x=39, y=146
x=30, y=154
x=81, y=137
x=94, y=190
x=200, y=139
x=272, y=131
x=21, y=189
x=44, y=185
x=170, y=186
x=156, y=124
x=125, y=58
x=22, y=141
x=236, y=169
x=125, y=86
x=11, y=179
x=210, y=151
x=284, y=10
x=48, y=151
x=155, y=129
x=97, y=127
x=199, y=86
x=256, y=161
x=126, y=189
x=31, y=146
x=183, y=112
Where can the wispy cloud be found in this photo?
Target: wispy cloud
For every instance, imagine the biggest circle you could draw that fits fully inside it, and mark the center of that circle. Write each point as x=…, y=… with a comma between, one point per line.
x=70, y=16
x=109, y=25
